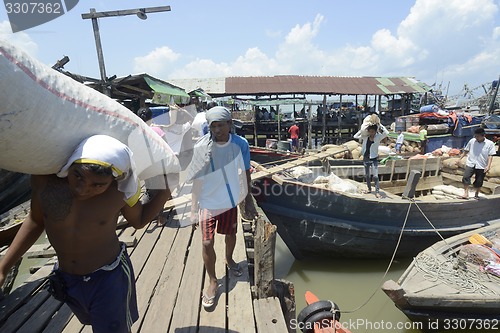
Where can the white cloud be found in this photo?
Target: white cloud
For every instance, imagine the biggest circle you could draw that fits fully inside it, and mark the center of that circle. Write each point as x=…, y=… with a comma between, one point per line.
x=157, y=63
x=273, y=34
x=19, y=39
x=253, y=63
x=455, y=40
x=496, y=33
x=201, y=68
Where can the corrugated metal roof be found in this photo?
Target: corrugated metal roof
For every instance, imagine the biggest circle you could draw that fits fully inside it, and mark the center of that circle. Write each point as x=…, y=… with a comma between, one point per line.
x=210, y=86
x=294, y=84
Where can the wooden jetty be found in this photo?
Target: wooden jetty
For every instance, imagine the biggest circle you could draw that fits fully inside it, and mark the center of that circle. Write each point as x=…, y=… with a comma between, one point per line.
x=170, y=279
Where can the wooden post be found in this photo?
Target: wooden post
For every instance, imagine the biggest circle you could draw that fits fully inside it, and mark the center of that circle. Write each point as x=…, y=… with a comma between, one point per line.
x=255, y=128
x=323, y=112
x=403, y=104
x=264, y=244
x=339, y=122
x=309, y=127
x=100, y=56
x=279, y=122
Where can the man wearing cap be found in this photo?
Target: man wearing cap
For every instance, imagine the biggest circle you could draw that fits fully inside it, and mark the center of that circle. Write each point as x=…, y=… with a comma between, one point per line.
x=220, y=171
x=78, y=208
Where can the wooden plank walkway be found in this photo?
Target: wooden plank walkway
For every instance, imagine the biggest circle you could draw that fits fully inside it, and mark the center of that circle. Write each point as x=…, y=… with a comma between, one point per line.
x=170, y=278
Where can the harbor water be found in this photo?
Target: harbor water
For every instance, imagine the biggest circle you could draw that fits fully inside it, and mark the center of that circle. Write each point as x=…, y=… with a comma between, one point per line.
x=354, y=285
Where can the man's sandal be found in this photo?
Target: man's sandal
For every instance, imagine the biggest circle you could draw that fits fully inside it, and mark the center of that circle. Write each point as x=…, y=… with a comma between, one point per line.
x=209, y=301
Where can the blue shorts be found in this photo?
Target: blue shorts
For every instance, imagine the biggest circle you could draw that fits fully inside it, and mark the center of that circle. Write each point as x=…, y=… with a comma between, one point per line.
x=295, y=142
x=105, y=299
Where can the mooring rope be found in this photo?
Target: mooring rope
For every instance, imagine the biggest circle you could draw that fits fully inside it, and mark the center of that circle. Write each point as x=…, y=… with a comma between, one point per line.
x=432, y=225
x=454, y=274
x=382, y=280
x=449, y=271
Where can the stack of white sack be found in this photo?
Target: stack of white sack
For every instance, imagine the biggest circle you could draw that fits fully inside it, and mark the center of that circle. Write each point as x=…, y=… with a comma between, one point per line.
x=301, y=173
x=44, y=115
x=336, y=183
x=445, y=192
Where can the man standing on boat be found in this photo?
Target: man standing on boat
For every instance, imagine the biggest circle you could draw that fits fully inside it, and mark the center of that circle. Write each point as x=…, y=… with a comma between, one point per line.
x=371, y=137
x=220, y=171
x=479, y=151
x=399, y=141
x=423, y=138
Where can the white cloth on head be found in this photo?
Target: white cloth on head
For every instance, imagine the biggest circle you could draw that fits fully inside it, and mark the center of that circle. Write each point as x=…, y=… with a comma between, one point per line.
x=218, y=113
x=203, y=147
x=107, y=151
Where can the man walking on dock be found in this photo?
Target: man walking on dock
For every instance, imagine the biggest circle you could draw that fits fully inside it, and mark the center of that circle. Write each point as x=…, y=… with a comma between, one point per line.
x=220, y=170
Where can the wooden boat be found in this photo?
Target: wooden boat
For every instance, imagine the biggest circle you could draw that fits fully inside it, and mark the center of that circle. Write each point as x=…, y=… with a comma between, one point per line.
x=268, y=156
x=314, y=220
x=318, y=317
x=11, y=221
x=264, y=155
x=14, y=188
x=442, y=291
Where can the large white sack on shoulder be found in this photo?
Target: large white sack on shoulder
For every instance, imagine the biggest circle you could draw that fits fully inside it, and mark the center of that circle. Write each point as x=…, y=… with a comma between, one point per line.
x=44, y=115
x=198, y=122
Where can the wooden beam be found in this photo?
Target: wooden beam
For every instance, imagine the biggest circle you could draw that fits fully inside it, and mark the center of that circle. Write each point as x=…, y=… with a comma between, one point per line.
x=264, y=244
x=123, y=12
x=398, y=186
x=297, y=162
x=145, y=92
x=268, y=315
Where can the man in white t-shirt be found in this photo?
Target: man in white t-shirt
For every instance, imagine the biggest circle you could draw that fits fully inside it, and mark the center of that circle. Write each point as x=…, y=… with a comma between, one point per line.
x=220, y=170
x=480, y=153
x=399, y=141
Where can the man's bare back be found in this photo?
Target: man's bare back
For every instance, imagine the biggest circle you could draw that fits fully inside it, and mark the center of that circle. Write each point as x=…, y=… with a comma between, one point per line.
x=78, y=208
x=81, y=230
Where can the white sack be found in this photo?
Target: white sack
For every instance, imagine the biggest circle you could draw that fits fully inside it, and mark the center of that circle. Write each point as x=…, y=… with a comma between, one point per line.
x=299, y=172
x=44, y=115
x=338, y=184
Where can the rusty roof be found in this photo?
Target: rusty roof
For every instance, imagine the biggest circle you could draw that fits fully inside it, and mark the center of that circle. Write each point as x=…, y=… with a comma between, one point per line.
x=334, y=85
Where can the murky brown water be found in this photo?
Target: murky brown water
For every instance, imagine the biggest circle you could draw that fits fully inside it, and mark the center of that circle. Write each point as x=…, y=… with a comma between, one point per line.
x=349, y=283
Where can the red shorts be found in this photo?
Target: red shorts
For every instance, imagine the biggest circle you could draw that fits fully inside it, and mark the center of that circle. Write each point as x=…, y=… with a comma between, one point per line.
x=226, y=221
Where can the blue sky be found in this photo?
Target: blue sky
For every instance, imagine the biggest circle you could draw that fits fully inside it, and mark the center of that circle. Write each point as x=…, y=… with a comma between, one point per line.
x=455, y=41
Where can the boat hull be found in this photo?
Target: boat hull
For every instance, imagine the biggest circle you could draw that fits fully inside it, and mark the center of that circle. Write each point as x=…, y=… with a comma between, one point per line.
x=14, y=189
x=454, y=319
x=315, y=221
x=438, y=292
x=11, y=221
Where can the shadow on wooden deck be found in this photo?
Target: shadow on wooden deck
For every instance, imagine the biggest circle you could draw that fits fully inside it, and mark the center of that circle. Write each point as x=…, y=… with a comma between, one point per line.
x=170, y=278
